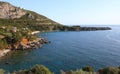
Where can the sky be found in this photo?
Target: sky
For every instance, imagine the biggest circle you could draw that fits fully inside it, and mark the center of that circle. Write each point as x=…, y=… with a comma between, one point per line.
x=75, y=12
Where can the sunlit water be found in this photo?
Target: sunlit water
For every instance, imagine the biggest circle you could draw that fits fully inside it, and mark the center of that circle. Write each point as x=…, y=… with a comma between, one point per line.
x=70, y=50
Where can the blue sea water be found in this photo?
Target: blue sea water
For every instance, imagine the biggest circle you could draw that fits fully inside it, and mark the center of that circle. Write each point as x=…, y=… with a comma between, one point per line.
x=70, y=50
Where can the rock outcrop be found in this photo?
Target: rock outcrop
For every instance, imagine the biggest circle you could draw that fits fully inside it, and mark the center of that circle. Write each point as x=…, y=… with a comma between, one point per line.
x=9, y=11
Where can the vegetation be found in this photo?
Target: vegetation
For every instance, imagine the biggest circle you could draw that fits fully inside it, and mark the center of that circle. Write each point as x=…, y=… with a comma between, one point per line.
x=77, y=72
x=10, y=36
x=40, y=69
x=31, y=24
x=37, y=69
x=1, y=71
x=110, y=70
x=3, y=44
x=88, y=69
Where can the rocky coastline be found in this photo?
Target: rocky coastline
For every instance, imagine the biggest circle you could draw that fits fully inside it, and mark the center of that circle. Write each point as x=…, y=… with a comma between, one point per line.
x=4, y=52
x=79, y=28
x=37, y=43
x=30, y=45
x=94, y=28
x=34, y=44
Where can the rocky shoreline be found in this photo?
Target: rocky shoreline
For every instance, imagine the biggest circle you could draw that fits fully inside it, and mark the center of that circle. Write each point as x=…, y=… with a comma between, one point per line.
x=34, y=44
x=4, y=52
x=79, y=28
x=30, y=45
x=37, y=43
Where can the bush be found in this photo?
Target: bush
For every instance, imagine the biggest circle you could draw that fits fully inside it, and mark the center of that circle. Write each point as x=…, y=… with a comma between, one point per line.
x=37, y=69
x=1, y=71
x=40, y=69
x=77, y=72
x=3, y=44
x=88, y=69
x=109, y=70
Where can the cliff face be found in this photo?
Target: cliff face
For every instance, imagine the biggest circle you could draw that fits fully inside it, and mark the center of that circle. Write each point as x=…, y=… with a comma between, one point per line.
x=9, y=11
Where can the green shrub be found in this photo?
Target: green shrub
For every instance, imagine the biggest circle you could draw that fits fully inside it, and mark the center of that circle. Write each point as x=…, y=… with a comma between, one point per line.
x=77, y=72
x=40, y=69
x=37, y=69
x=3, y=44
x=88, y=69
x=109, y=70
x=2, y=71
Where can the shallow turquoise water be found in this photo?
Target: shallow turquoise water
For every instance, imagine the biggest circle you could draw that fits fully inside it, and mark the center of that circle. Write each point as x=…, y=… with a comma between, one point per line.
x=70, y=50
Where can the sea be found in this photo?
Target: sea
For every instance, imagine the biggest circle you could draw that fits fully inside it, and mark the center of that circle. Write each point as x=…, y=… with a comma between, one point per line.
x=70, y=50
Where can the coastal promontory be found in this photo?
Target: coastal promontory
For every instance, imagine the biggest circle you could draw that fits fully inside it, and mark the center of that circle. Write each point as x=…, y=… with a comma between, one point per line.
x=18, y=25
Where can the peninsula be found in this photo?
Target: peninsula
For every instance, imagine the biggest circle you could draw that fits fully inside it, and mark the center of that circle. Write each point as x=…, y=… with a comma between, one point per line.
x=18, y=27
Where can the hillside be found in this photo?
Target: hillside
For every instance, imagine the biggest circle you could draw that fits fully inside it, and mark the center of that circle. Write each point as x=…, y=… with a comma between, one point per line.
x=15, y=16
x=17, y=25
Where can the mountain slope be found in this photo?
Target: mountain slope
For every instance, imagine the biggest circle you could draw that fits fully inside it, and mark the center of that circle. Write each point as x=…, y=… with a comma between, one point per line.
x=11, y=16
x=17, y=17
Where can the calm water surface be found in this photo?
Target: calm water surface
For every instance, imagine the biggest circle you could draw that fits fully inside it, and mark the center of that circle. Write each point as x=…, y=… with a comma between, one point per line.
x=70, y=50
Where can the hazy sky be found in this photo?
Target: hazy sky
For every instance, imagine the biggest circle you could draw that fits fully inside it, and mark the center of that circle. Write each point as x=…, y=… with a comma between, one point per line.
x=75, y=11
